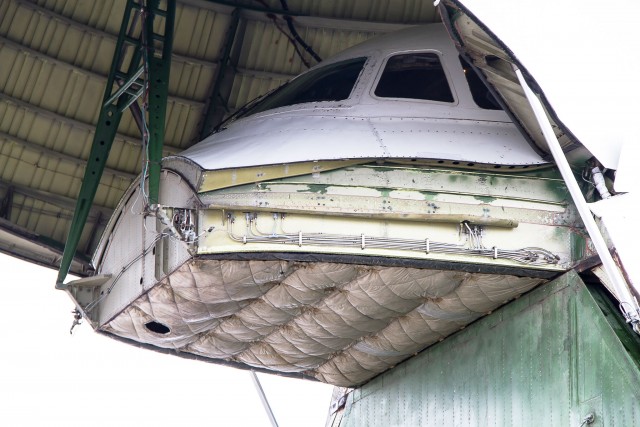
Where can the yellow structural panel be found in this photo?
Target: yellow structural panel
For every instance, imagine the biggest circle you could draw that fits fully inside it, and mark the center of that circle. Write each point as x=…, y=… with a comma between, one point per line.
x=217, y=179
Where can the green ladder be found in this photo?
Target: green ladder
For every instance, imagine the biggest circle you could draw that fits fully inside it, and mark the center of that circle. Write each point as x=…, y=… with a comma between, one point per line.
x=150, y=55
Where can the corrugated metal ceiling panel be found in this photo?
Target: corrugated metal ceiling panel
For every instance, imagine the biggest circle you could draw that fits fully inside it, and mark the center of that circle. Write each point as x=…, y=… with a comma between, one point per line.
x=395, y=11
x=58, y=77
x=55, y=56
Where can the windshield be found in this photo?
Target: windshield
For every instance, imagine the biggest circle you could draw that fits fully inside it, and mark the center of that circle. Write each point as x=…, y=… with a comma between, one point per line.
x=479, y=91
x=414, y=76
x=333, y=82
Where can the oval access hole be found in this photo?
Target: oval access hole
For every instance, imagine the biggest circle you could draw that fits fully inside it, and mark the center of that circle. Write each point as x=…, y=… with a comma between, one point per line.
x=157, y=327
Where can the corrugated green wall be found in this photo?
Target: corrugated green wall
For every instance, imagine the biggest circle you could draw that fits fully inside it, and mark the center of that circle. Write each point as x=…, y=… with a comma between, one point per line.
x=546, y=359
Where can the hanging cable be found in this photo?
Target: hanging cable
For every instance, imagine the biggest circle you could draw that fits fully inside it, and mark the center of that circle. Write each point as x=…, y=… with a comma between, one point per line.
x=123, y=270
x=294, y=38
x=295, y=34
x=145, y=103
x=77, y=319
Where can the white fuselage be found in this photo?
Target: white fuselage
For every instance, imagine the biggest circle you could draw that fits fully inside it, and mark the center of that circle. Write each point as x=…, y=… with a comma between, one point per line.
x=339, y=225
x=369, y=126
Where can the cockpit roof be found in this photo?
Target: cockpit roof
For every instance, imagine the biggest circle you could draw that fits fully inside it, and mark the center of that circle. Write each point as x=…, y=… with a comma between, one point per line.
x=368, y=126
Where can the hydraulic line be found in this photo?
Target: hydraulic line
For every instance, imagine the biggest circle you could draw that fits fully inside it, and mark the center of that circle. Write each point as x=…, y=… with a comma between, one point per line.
x=530, y=256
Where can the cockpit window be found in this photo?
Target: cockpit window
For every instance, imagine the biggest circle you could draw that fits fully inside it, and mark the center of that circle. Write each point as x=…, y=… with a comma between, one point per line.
x=414, y=76
x=333, y=82
x=479, y=91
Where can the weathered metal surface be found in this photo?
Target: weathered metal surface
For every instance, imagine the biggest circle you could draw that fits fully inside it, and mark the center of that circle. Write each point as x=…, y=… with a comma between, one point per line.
x=548, y=358
x=382, y=203
x=325, y=296
x=223, y=178
x=132, y=251
x=119, y=97
x=297, y=263
x=365, y=126
x=159, y=67
x=55, y=57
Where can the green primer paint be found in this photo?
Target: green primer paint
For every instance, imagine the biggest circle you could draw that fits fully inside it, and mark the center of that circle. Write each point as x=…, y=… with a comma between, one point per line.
x=559, y=188
x=386, y=192
x=549, y=358
x=429, y=196
x=314, y=188
x=578, y=246
x=485, y=199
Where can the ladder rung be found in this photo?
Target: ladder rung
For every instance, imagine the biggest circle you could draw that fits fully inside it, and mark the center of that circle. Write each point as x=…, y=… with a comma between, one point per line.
x=134, y=90
x=131, y=40
x=130, y=81
x=131, y=100
x=160, y=12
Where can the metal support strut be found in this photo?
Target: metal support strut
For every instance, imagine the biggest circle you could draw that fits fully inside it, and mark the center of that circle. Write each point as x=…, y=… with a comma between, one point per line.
x=147, y=71
x=628, y=304
x=263, y=398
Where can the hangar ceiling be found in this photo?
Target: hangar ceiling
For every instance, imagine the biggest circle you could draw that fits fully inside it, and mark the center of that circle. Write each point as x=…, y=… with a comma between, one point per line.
x=55, y=59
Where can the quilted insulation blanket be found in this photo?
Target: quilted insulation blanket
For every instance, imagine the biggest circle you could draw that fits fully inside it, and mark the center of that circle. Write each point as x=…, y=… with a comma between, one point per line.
x=338, y=323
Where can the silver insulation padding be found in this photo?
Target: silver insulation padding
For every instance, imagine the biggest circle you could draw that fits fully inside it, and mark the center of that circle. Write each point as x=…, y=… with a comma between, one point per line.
x=340, y=323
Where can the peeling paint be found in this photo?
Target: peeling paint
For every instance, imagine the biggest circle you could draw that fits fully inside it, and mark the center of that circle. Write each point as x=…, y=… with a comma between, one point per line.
x=314, y=188
x=578, y=246
x=485, y=199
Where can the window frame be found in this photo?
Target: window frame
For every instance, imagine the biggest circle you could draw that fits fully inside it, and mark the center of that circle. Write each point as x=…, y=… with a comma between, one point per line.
x=445, y=69
x=329, y=103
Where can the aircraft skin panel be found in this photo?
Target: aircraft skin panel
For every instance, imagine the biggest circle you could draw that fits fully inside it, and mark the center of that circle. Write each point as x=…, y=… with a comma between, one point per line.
x=290, y=139
x=593, y=124
x=618, y=218
x=375, y=201
x=223, y=178
x=598, y=107
x=365, y=125
x=410, y=39
x=135, y=249
x=458, y=140
x=549, y=358
x=298, y=139
x=335, y=239
x=335, y=275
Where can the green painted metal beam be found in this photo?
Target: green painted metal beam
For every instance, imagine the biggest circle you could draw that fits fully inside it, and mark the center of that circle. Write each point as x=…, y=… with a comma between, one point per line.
x=159, y=69
x=116, y=99
x=6, y=203
x=225, y=72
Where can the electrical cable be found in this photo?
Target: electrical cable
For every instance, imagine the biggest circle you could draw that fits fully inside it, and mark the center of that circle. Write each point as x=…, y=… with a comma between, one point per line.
x=295, y=34
x=529, y=255
x=145, y=105
x=103, y=295
x=294, y=38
